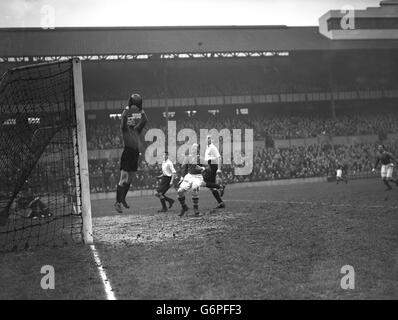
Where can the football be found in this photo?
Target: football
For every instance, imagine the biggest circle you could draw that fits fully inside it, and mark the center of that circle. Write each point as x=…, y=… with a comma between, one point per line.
x=135, y=100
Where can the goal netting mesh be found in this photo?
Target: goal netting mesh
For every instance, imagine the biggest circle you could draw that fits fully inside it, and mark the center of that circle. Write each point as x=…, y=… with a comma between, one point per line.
x=40, y=186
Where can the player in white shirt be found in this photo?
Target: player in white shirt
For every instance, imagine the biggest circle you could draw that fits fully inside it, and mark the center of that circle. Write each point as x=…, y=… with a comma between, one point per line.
x=210, y=175
x=166, y=181
x=341, y=172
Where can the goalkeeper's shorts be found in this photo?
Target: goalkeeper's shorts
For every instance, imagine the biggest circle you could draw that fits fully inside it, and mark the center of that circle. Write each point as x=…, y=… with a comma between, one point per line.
x=129, y=159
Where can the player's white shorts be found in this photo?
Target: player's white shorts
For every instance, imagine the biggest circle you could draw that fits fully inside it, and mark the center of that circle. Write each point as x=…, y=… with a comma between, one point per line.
x=192, y=181
x=339, y=173
x=386, y=170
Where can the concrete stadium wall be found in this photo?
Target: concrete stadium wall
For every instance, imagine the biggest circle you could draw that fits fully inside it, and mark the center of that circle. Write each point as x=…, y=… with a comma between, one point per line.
x=142, y=193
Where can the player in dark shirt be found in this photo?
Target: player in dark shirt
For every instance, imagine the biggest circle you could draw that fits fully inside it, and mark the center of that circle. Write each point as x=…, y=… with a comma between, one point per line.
x=131, y=131
x=386, y=159
x=191, y=179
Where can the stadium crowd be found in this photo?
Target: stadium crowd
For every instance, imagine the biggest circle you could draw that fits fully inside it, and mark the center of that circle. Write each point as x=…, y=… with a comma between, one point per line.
x=106, y=135
x=268, y=164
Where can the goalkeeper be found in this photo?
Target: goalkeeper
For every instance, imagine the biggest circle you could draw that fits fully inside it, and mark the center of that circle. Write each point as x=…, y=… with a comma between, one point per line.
x=131, y=131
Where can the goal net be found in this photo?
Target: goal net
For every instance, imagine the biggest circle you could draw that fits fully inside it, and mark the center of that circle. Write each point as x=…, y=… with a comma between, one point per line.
x=44, y=190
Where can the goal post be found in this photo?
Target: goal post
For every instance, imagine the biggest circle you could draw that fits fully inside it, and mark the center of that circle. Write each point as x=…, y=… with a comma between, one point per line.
x=44, y=176
x=82, y=151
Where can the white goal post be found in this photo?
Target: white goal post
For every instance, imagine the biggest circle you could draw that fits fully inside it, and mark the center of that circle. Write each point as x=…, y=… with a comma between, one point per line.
x=82, y=151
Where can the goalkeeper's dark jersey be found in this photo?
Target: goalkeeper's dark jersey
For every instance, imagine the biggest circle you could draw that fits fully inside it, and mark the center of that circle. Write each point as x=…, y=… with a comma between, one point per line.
x=131, y=135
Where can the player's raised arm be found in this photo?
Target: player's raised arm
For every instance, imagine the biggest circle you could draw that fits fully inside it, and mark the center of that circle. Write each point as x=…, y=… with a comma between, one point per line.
x=123, y=125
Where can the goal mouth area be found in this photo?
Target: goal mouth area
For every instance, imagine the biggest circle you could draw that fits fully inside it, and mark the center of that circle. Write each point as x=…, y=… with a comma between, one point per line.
x=42, y=125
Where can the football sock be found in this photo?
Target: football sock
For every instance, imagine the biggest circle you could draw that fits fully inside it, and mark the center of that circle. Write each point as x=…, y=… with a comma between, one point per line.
x=126, y=187
x=182, y=201
x=216, y=195
x=119, y=193
x=195, y=200
x=163, y=201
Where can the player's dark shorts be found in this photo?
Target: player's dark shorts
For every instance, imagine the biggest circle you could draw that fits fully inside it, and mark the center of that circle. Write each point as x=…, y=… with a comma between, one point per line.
x=164, y=185
x=211, y=173
x=129, y=160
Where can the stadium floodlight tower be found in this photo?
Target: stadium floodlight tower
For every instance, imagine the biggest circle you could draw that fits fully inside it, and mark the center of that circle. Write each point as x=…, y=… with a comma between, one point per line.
x=44, y=179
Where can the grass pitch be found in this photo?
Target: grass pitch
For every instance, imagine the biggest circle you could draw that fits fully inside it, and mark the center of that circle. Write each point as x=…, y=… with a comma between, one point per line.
x=279, y=242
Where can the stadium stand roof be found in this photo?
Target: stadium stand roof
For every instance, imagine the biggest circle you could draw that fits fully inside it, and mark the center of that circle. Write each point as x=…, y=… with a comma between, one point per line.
x=151, y=40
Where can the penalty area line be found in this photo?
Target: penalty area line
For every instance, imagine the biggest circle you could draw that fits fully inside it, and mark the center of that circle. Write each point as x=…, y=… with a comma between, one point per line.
x=314, y=203
x=105, y=281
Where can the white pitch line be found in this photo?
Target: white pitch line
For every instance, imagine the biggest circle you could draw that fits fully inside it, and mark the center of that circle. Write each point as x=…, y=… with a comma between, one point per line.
x=315, y=203
x=105, y=281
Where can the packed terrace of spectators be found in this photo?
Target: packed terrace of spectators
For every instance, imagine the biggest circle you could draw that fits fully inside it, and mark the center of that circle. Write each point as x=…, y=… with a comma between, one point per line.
x=268, y=164
x=106, y=135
